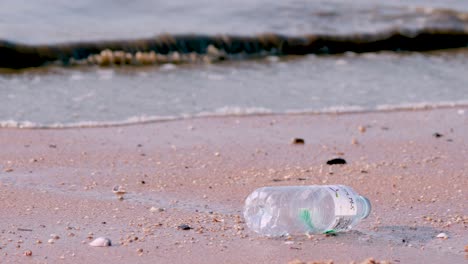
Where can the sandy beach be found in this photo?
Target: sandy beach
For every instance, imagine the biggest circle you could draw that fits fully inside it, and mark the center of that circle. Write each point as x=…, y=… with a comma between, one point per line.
x=56, y=188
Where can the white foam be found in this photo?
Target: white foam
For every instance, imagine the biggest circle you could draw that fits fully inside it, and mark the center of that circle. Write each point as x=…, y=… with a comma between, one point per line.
x=421, y=105
x=236, y=111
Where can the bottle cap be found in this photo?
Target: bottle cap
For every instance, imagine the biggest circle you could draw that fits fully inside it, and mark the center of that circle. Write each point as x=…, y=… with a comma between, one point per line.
x=366, y=206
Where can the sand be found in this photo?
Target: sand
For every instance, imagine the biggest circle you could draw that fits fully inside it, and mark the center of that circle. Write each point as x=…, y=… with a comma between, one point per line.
x=198, y=172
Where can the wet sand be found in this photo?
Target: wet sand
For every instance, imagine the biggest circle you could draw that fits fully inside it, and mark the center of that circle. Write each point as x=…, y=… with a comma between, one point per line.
x=198, y=172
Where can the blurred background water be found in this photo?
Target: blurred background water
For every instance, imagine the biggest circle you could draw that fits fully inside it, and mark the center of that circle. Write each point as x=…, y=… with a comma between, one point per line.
x=64, y=96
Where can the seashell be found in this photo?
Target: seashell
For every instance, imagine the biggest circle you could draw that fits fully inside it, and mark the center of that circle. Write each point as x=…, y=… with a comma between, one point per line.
x=101, y=242
x=442, y=236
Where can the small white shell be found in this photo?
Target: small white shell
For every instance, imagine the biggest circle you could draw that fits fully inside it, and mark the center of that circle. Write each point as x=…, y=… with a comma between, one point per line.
x=442, y=236
x=101, y=242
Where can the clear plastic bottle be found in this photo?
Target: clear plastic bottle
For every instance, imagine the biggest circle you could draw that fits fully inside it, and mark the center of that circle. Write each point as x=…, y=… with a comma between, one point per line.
x=289, y=210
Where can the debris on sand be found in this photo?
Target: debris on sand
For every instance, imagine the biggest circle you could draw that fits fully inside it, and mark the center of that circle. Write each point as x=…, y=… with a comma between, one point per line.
x=101, y=242
x=336, y=161
x=298, y=141
x=154, y=209
x=184, y=227
x=437, y=135
x=28, y=253
x=119, y=191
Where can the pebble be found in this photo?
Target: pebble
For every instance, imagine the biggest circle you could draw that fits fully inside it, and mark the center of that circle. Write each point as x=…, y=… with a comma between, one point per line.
x=28, y=253
x=299, y=141
x=442, y=236
x=184, y=227
x=101, y=242
x=50, y=241
x=437, y=135
x=336, y=161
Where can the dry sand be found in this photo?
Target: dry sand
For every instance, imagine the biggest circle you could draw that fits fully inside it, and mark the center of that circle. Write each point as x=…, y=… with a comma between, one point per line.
x=198, y=172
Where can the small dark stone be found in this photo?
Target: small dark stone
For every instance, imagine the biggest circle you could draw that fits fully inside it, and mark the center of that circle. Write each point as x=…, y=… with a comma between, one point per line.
x=103, y=223
x=299, y=141
x=403, y=240
x=437, y=135
x=184, y=227
x=143, y=182
x=336, y=161
x=301, y=179
x=449, y=140
x=276, y=180
x=139, y=145
x=52, y=146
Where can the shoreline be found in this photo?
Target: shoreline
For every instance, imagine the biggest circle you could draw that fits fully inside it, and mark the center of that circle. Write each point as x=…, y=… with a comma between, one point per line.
x=144, y=120
x=198, y=171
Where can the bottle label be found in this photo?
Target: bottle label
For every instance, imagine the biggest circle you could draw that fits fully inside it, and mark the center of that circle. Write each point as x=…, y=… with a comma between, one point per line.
x=345, y=204
x=345, y=208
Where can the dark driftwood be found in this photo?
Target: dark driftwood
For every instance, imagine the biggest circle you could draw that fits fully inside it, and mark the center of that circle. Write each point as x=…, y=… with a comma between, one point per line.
x=16, y=55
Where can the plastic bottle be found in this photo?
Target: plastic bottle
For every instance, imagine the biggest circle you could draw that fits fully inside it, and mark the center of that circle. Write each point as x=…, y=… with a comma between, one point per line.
x=289, y=210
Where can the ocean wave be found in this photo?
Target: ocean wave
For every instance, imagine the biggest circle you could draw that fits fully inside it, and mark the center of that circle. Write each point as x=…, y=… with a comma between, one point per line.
x=423, y=29
x=230, y=111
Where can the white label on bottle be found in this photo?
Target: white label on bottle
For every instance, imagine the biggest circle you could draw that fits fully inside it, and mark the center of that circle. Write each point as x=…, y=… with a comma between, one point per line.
x=345, y=204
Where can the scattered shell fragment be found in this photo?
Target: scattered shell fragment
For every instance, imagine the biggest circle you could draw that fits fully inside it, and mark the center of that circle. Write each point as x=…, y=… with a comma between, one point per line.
x=101, y=242
x=362, y=129
x=442, y=236
x=28, y=253
x=51, y=241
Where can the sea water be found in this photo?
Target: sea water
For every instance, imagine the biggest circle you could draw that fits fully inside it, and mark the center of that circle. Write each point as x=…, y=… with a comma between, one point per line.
x=60, y=96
